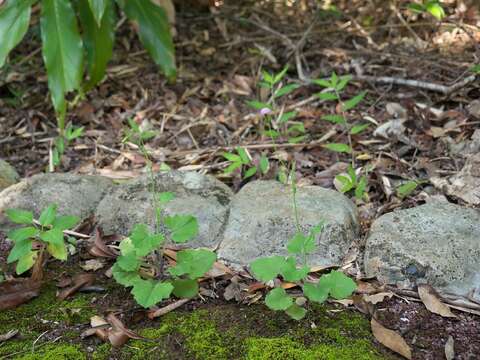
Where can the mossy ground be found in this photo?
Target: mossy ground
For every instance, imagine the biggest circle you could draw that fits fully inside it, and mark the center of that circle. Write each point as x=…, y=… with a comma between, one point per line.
x=51, y=328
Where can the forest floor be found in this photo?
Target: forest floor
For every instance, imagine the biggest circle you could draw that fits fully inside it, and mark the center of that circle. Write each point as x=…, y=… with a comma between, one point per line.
x=220, y=54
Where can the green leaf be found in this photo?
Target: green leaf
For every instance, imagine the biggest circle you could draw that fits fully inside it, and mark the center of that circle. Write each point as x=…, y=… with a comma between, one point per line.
x=19, y=216
x=316, y=292
x=334, y=79
x=47, y=217
x=264, y=164
x=266, y=269
x=296, y=312
x=182, y=227
x=58, y=251
x=165, y=197
x=346, y=182
x=357, y=129
x=97, y=8
x=53, y=236
x=193, y=263
x=287, y=116
x=326, y=96
x=277, y=299
x=296, y=139
x=148, y=292
x=143, y=241
x=340, y=285
x=14, y=21
x=351, y=103
x=258, y=105
x=244, y=158
x=338, y=147
x=344, y=80
x=65, y=222
x=417, y=8
x=232, y=167
x=301, y=244
x=62, y=50
x=19, y=250
x=26, y=262
x=231, y=157
x=434, y=8
x=98, y=21
x=250, y=172
x=125, y=278
x=22, y=233
x=154, y=33
x=291, y=273
x=297, y=127
x=278, y=77
x=360, y=189
x=72, y=133
x=323, y=83
x=475, y=69
x=406, y=189
x=287, y=89
x=128, y=262
x=273, y=134
x=336, y=119
x=185, y=288
x=267, y=77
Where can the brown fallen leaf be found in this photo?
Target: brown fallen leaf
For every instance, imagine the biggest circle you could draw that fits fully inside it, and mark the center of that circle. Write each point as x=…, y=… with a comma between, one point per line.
x=92, y=265
x=377, y=298
x=99, y=248
x=18, y=291
x=118, y=335
x=391, y=339
x=449, y=348
x=432, y=302
x=79, y=281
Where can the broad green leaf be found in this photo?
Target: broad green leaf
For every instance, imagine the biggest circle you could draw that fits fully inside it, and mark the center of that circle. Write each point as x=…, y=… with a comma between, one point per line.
x=97, y=8
x=232, y=167
x=243, y=153
x=360, y=189
x=98, y=24
x=125, y=278
x=334, y=79
x=291, y=273
x=19, y=250
x=22, y=233
x=287, y=89
x=148, y=292
x=264, y=164
x=435, y=9
x=128, y=262
x=143, y=241
x=231, y=157
x=340, y=285
x=333, y=118
x=14, y=21
x=301, y=244
x=65, y=222
x=26, y=262
x=266, y=269
x=267, y=77
x=287, y=116
x=250, y=172
x=344, y=80
x=406, y=189
x=62, y=50
x=193, y=263
x=185, y=288
x=351, y=103
x=279, y=76
x=258, y=105
x=316, y=292
x=165, y=197
x=357, y=129
x=323, y=83
x=47, y=216
x=277, y=299
x=126, y=247
x=19, y=216
x=338, y=147
x=296, y=312
x=326, y=96
x=58, y=251
x=154, y=33
x=346, y=182
x=53, y=236
x=182, y=227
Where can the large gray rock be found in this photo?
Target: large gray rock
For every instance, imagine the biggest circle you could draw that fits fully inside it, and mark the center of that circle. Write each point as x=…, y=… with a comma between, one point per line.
x=200, y=195
x=436, y=243
x=74, y=194
x=8, y=175
x=262, y=221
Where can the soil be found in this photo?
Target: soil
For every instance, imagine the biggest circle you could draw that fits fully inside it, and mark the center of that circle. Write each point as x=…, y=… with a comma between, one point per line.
x=205, y=113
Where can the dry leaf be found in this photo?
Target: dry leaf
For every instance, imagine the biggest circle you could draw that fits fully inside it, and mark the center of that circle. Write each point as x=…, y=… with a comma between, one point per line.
x=118, y=335
x=92, y=265
x=449, y=349
x=79, y=281
x=390, y=339
x=377, y=298
x=18, y=291
x=432, y=302
x=99, y=248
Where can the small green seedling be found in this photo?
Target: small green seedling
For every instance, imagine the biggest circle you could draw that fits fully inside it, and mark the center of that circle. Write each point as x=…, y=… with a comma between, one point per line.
x=351, y=181
x=46, y=231
x=62, y=142
x=433, y=7
x=335, y=284
x=138, y=263
x=242, y=160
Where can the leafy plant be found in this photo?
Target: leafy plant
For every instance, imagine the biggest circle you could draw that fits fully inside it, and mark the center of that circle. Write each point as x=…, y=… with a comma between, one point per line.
x=47, y=232
x=433, y=7
x=67, y=51
x=351, y=181
x=335, y=284
x=61, y=143
x=242, y=160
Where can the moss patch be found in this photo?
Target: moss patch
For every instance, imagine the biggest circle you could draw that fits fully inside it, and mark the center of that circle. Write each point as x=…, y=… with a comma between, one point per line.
x=55, y=352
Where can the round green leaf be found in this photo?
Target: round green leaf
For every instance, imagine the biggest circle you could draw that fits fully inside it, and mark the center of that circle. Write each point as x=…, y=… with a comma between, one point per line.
x=182, y=227
x=125, y=278
x=148, y=292
x=266, y=269
x=26, y=262
x=185, y=288
x=193, y=263
x=341, y=286
x=277, y=299
x=65, y=222
x=316, y=292
x=296, y=312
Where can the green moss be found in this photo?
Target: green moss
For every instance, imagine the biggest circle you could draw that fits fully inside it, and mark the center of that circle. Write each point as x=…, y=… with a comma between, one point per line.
x=102, y=352
x=55, y=352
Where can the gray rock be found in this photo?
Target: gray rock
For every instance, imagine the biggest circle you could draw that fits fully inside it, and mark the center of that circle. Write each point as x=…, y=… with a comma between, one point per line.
x=8, y=175
x=200, y=195
x=437, y=243
x=74, y=194
x=262, y=221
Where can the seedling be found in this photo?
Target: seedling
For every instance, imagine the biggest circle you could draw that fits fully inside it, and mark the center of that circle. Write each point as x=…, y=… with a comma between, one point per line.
x=351, y=181
x=433, y=7
x=47, y=232
x=62, y=142
x=242, y=160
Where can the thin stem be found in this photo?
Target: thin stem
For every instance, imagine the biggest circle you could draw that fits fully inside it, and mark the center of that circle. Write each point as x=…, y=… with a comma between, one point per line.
x=349, y=136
